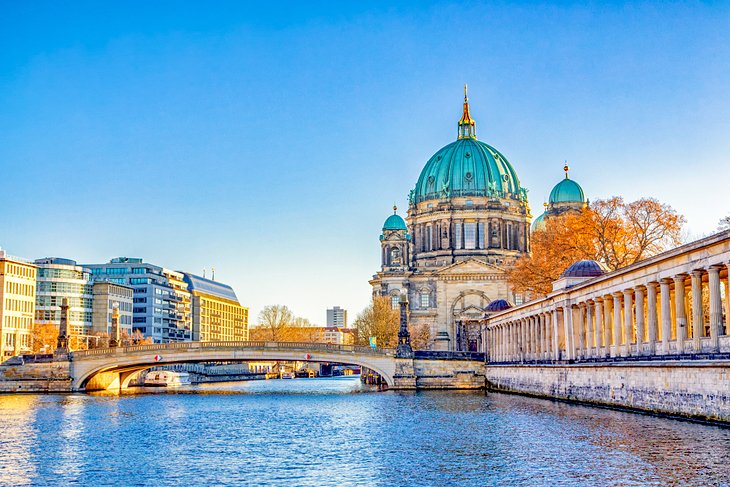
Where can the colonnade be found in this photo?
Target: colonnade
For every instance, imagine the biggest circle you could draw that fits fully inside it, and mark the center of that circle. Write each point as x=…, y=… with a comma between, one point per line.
x=677, y=314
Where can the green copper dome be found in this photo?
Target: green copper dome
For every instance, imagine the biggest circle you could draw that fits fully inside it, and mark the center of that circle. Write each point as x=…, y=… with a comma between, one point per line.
x=394, y=222
x=539, y=223
x=467, y=167
x=567, y=191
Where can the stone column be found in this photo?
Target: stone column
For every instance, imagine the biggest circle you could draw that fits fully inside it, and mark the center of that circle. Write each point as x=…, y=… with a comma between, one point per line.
x=549, y=336
x=555, y=334
x=543, y=336
x=628, y=319
x=599, y=326
x=616, y=350
x=533, y=338
x=698, y=320
x=666, y=315
x=680, y=312
x=580, y=347
x=523, y=339
x=568, y=322
x=651, y=322
x=639, y=320
x=727, y=301
x=607, y=328
x=713, y=274
x=589, y=329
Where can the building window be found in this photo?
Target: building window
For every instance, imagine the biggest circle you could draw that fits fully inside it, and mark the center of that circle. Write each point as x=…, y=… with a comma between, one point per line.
x=480, y=231
x=424, y=300
x=457, y=235
x=429, y=238
x=470, y=235
x=394, y=301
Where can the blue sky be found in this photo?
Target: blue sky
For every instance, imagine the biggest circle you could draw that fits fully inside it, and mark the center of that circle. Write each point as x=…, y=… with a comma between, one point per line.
x=271, y=142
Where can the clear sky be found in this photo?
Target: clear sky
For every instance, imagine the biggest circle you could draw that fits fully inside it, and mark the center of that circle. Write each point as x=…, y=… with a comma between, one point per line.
x=270, y=142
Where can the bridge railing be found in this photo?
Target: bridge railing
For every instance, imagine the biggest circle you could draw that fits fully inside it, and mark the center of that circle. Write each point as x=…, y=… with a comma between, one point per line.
x=265, y=345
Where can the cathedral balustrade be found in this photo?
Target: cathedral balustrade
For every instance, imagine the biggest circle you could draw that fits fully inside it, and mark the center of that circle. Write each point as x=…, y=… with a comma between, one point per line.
x=674, y=305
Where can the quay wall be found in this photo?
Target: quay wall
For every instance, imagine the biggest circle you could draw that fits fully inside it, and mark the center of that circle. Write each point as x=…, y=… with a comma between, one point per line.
x=35, y=377
x=698, y=390
x=449, y=374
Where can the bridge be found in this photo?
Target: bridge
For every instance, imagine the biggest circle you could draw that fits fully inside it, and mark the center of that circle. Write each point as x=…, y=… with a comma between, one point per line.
x=114, y=368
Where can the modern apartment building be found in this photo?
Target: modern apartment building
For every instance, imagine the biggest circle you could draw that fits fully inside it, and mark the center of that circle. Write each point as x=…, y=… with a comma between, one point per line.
x=107, y=296
x=161, y=306
x=59, y=278
x=217, y=314
x=337, y=317
x=17, y=304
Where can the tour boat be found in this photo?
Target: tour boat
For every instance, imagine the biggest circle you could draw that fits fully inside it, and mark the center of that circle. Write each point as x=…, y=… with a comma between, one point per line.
x=167, y=378
x=288, y=375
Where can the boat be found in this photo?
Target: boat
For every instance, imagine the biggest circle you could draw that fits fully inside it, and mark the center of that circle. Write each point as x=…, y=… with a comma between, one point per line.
x=288, y=375
x=167, y=378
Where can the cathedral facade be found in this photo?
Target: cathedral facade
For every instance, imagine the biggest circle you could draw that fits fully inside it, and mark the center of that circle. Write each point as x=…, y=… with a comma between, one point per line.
x=468, y=221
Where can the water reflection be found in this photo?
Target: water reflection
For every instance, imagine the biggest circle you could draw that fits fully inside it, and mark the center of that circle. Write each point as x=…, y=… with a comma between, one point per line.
x=17, y=435
x=337, y=432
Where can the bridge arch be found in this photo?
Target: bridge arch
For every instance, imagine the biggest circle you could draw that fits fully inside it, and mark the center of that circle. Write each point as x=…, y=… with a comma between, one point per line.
x=113, y=368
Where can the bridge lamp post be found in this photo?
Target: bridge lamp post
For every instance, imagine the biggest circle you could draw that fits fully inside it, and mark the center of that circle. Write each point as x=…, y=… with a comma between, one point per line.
x=404, y=349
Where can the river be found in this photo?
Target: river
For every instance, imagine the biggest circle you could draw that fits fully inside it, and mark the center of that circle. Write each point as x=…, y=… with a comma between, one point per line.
x=336, y=432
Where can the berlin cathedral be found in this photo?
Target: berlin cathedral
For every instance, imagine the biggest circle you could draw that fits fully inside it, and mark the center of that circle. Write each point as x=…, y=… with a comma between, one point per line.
x=468, y=221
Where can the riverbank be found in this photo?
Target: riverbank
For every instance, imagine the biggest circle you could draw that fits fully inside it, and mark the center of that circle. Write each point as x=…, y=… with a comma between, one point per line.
x=696, y=390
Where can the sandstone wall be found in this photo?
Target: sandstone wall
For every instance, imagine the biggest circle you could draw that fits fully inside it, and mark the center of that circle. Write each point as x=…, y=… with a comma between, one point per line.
x=698, y=390
x=449, y=374
x=37, y=377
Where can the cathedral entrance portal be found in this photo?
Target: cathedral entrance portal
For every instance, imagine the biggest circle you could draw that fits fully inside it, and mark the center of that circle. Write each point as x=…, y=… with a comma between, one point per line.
x=468, y=313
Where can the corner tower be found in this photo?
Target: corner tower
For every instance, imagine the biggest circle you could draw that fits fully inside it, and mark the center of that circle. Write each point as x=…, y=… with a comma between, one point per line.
x=394, y=243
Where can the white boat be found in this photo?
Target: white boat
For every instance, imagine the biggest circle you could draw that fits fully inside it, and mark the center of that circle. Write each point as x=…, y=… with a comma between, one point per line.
x=167, y=378
x=288, y=375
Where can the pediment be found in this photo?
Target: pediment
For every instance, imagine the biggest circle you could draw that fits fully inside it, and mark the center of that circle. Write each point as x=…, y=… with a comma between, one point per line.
x=470, y=266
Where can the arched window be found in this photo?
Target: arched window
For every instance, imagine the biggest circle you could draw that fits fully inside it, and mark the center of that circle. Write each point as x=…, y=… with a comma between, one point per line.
x=425, y=299
x=394, y=301
x=395, y=256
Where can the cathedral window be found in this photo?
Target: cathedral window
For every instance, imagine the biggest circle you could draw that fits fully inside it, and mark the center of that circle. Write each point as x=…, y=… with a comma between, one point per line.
x=480, y=235
x=424, y=300
x=429, y=238
x=394, y=300
x=457, y=235
x=470, y=231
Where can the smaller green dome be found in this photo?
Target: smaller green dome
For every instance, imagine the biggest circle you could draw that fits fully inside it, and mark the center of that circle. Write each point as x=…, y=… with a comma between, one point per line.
x=394, y=222
x=539, y=223
x=567, y=191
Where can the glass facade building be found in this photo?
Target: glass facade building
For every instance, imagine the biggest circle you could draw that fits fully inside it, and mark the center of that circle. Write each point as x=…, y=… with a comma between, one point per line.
x=62, y=278
x=161, y=307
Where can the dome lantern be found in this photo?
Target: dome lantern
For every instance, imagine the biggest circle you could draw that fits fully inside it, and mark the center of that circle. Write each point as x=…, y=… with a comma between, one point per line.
x=467, y=126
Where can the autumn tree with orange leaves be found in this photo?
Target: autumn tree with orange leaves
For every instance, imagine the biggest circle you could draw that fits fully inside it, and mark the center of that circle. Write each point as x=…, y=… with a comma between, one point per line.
x=611, y=231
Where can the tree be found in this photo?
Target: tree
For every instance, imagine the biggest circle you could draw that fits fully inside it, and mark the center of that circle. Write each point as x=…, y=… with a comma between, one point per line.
x=612, y=232
x=44, y=338
x=274, y=323
x=378, y=320
x=420, y=336
x=723, y=224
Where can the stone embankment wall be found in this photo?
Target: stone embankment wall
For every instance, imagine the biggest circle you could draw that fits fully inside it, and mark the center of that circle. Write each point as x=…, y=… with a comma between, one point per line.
x=699, y=390
x=35, y=377
x=449, y=374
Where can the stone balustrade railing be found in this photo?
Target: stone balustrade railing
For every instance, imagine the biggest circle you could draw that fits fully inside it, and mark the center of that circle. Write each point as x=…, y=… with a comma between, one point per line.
x=247, y=345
